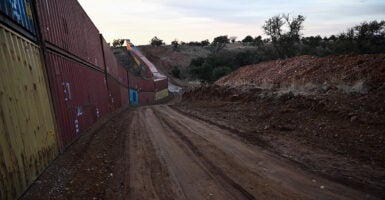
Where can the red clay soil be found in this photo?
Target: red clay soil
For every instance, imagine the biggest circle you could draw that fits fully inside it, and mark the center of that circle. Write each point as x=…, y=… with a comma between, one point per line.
x=335, y=133
x=341, y=69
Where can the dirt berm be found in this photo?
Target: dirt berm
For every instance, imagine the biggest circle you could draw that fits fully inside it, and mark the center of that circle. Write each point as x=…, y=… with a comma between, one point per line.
x=327, y=115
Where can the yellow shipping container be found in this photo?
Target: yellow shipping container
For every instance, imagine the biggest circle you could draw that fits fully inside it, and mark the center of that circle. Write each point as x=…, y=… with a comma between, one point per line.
x=28, y=140
x=161, y=94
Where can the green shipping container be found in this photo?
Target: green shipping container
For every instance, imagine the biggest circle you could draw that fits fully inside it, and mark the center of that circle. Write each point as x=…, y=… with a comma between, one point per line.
x=28, y=139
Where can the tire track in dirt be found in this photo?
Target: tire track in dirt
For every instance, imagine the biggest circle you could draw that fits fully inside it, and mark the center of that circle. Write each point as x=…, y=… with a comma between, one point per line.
x=187, y=170
x=265, y=175
x=148, y=179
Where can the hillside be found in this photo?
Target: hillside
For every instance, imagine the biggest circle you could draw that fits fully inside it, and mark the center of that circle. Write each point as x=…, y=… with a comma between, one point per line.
x=346, y=72
x=327, y=115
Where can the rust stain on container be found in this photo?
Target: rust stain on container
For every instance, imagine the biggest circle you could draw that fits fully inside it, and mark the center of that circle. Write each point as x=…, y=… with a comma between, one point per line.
x=27, y=132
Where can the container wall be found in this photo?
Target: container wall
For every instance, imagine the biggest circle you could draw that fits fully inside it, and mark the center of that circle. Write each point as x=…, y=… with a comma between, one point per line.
x=146, y=98
x=145, y=85
x=28, y=139
x=115, y=98
x=20, y=12
x=66, y=26
x=113, y=67
x=140, y=84
x=161, y=84
x=80, y=96
x=124, y=93
x=134, y=98
x=161, y=94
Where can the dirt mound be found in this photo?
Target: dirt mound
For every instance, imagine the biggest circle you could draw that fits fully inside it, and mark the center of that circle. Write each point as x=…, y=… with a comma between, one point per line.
x=347, y=72
x=339, y=135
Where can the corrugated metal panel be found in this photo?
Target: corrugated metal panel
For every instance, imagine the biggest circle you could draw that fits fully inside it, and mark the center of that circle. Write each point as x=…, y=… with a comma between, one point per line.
x=146, y=98
x=114, y=94
x=124, y=93
x=28, y=140
x=113, y=67
x=145, y=85
x=161, y=94
x=20, y=11
x=66, y=25
x=80, y=96
x=161, y=84
x=134, y=98
x=141, y=84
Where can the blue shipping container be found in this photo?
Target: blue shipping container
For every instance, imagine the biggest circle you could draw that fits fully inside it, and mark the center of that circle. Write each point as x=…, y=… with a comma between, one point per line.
x=134, y=98
x=19, y=11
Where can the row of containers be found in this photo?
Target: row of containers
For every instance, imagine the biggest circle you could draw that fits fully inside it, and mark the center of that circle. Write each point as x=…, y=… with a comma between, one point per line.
x=58, y=76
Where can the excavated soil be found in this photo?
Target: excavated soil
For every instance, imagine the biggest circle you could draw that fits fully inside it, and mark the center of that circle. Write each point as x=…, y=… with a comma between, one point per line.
x=331, y=71
x=242, y=142
x=308, y=110
x=156, y=152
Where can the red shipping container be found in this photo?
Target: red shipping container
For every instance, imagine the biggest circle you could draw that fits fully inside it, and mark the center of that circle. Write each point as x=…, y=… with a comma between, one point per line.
x=113, y=67
x=79, y=95
x=124, y=93
x=67, y=27
x=161, y=84
x=146, y=98
x=140, y=84
x=114, y=94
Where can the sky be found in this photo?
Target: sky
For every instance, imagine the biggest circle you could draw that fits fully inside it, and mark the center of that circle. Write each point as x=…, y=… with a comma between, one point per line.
x=197, y=20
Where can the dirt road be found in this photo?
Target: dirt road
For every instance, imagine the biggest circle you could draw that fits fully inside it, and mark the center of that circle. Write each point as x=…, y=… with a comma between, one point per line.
x=159, y=153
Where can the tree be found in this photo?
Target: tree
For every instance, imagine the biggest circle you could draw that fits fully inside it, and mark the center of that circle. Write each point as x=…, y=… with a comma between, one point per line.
x=155, y=41
x=118, y=42
x=175, y=44
x=273, y=27
x=205, y=43
x=233, y=39
x=258, y=41
x=248, y=39
x=284, y=42
x=219, y=43
x=295, y=26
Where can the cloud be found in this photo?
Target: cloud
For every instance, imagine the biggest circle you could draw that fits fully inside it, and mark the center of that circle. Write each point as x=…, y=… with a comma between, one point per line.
x=202, y=19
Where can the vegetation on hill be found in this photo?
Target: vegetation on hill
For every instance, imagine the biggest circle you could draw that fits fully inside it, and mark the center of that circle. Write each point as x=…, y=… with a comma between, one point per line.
x=286, y=41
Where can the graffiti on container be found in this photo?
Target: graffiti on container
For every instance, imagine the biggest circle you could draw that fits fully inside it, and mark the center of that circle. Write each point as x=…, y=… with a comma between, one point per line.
x=79, y=111
x=67, y=91
x=77, y=126
x=97, y=113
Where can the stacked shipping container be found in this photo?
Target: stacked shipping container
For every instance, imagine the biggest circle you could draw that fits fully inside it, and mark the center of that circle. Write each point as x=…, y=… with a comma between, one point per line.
x=28, y=140
x=80, y=98
x=73, y=60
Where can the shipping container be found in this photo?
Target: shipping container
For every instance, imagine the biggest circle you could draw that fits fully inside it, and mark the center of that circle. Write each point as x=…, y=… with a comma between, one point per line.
x=145, y=85
x=28, y=139
x=20, y=12
x=112, y=65
x=161, y=94
x=134, y=98
x=161, y=84
x=79, y=93
x=124, y=93
x=146, y=98
x=140, y=84
x=114, y=94
x=66, y=26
